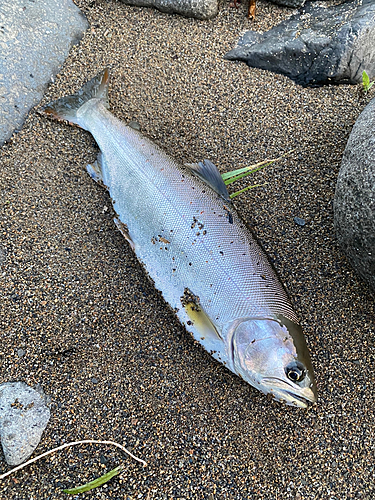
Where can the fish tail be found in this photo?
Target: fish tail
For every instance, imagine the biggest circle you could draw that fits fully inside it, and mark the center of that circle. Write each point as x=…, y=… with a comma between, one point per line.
x=67, y=108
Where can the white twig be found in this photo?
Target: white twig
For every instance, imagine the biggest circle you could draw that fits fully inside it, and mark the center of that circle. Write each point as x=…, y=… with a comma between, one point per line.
x=66, y=445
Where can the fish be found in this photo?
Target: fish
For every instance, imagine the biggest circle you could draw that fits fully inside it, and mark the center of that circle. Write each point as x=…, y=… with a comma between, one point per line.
x=183, y=227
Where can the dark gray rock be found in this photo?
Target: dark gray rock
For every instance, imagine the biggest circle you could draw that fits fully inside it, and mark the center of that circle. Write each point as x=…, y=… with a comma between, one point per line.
x=290, y=3
x=318, y=45
x=23, y=417
x=201, y=9
x=299, y=221
x=354, y=203
x=3, y=256
x=35, y=38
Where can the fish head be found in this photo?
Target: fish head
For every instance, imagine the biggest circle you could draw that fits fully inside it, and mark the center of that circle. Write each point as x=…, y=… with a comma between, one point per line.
x=272, y=355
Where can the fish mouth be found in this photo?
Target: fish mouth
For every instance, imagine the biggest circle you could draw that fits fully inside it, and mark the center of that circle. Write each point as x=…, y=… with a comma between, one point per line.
x=281, y=392
x=300, y=401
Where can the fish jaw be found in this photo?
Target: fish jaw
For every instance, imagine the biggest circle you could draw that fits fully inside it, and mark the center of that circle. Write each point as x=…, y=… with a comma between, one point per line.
x=284, y=393
x=266, y=354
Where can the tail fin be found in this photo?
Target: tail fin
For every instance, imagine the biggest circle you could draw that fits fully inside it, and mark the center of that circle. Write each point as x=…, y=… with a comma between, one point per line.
x=66, y=108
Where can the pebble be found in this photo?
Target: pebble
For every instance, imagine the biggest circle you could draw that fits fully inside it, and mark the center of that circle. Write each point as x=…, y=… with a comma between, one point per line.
x=23, y=418
x=3, y=256
x=299, y=221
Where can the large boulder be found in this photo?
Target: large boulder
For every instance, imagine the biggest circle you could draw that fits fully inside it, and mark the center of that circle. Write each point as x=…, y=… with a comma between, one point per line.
x=354, y=203
x=35, y=38
x=201, y=9
x=317, y=45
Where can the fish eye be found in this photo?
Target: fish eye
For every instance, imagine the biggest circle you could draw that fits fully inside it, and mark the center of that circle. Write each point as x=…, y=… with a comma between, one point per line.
x=295, y=372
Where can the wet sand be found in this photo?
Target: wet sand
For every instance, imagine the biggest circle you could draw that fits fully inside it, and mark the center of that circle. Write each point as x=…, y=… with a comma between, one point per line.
x=100, y=339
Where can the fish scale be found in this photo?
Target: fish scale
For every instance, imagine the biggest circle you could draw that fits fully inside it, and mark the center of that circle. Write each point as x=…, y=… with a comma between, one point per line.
x=238, y=270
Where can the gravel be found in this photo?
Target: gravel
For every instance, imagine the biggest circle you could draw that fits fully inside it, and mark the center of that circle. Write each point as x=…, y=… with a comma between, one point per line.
x=74, y=298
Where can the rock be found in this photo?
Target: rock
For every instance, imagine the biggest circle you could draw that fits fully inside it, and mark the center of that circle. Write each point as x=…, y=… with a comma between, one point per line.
x=319, y=44
x=201, y=9
x=35, y=38
x=299, y=221
x=3, y=256
x=23, y=417
x=290, y=3
x=354, y=202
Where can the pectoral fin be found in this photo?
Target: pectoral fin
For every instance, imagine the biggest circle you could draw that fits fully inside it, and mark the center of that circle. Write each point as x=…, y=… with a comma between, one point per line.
x=202, y=327
x=202, y=323
x=209, y=173
x=95, y=170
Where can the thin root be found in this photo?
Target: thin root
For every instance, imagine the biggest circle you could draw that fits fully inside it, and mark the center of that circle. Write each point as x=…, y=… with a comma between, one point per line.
x=66, y=445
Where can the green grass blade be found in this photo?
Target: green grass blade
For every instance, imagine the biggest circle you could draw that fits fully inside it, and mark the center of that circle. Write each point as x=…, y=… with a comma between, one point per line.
x=238, y=174
x=245, y=170
x=365, y=80
x=370, y=85
x=97, y=482
x=245, y=189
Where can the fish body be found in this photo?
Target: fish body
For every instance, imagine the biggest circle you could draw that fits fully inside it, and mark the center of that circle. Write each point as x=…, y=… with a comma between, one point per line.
x=185, y=231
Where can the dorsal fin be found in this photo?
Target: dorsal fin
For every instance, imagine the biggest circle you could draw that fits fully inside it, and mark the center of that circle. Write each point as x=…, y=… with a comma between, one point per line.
x=209, y=173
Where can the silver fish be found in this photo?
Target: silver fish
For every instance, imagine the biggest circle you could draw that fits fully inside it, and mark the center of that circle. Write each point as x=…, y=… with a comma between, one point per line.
x=182, y=226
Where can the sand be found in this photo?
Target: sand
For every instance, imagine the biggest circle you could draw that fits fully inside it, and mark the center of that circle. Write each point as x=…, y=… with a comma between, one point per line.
x=79, y=316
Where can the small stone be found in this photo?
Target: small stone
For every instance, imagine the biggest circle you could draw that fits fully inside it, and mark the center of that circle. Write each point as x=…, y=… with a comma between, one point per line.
x=134, y=125
x=94, y=380
x=299, y=221
x=23, y=417
x=3, y=256
x=20, y=353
